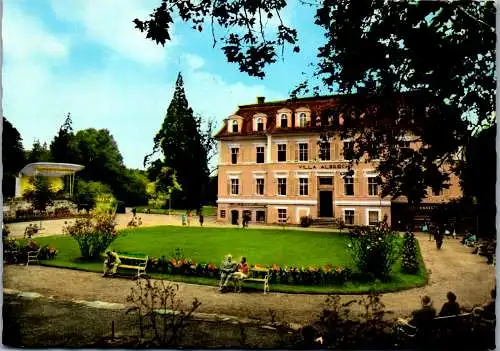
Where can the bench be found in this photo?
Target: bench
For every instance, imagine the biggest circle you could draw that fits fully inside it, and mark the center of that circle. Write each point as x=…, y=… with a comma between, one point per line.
x=136, y=263
x=437, y=323
x=33, y=256
x=259, y=275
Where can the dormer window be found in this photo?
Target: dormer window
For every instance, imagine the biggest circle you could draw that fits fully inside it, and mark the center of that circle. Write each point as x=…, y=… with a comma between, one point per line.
x=284, y=121
x=235, y=127
x=302, y=120
x=260, y=124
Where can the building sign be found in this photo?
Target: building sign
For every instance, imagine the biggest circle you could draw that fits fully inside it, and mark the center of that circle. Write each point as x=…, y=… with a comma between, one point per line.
x=325, y=166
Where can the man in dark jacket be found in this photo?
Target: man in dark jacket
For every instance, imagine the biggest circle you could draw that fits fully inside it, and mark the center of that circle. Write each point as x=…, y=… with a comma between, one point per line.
x=451, y=307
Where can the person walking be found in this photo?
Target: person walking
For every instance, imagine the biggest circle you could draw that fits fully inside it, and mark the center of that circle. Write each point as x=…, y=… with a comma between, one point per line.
x=201, y=220
x=134, y=211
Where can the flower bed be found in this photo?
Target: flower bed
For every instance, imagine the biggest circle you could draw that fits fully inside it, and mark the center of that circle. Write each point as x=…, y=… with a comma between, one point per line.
x=296, y=275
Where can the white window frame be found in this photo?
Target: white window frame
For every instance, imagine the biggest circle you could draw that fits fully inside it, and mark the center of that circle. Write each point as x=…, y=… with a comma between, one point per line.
x=374, y=182
x=300, y=152
x=257, y=179
x=278, y=183
x=304, y=186
x=235, y=123
x=283, y=116
x=367, y=214
x=258, y=121
x=237, y=154
x=278, y=152
x=279, y=216
x=237, y=185
x=302, y=120
x=263, y=154
x=345, y=183
x=344, y=210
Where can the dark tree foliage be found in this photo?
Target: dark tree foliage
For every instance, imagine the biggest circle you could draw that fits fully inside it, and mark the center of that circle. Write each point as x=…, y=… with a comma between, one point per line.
x=63, y=146
x=13, y=157
x=186, y=150
x=39, y=153
x=478, y=176
x=377, y=49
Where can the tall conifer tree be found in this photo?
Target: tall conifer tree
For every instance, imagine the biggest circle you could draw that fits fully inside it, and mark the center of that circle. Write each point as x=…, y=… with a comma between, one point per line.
x=184, y=149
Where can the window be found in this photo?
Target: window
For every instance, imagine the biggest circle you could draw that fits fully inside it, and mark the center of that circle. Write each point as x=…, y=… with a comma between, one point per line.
x=349, y=217
x=222, y=213
x=325, y=181
x=281, y=152
x=283, y=121
x=372, y=186
x=260, y=154
x=302, y=120
x=303, y=152
x=324, y=151
x=348, y=186
x=247, y=213
x=260, y=216
x=234, y=155
x=348, y=150
x=303, y=186
x=260, y=124
x=373, y=218
x=404, y=147
x=281, y=186
x=281, y=215
x=260, y=186
x=437, y=192
x=235, y=126
x=235, y=186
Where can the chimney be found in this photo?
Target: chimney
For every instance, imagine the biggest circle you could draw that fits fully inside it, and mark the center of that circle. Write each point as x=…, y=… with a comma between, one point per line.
x=261, y=99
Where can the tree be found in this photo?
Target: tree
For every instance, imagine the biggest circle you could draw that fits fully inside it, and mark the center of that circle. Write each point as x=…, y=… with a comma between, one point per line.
x=41, y=195
x=443, y=53
x=478, y=176
x=13, y=157
x=185, y=148
x=63, y=147
x=87, y=194
x=39, y=153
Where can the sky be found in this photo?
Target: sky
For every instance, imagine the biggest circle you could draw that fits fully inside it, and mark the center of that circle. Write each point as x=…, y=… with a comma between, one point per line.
x=85, y=57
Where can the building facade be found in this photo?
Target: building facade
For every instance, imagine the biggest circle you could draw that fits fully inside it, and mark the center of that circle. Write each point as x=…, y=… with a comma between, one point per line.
x=271, y=168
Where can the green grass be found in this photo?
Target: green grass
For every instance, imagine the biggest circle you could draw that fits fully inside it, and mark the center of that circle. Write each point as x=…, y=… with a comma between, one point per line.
x=206, y=210
x=263, y=246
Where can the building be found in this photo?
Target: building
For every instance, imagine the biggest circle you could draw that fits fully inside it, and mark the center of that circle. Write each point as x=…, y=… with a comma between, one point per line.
x=58, y=175
x=270, y=167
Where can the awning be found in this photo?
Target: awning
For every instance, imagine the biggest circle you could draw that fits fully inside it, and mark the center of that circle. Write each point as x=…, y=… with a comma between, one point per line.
x=50, y=169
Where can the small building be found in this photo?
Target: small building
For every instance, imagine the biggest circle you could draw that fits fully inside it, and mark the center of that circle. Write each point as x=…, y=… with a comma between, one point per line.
x=59, y=175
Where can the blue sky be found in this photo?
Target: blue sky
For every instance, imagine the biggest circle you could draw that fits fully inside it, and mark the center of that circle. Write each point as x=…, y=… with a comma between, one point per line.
x=85, y=57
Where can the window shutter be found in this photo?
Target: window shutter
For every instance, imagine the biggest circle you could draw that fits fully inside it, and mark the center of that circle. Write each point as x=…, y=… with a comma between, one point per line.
x=229, y=186
x=335, y=152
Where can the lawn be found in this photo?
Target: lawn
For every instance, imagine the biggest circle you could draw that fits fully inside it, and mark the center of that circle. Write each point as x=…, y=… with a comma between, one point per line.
x=263, y=246
x=206, y=210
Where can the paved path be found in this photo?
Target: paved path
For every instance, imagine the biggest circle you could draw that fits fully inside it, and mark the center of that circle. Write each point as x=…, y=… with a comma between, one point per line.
x=452, y=268
x=55, y=226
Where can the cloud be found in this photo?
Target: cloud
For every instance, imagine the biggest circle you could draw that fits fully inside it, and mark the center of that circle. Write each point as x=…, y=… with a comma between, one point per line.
x=41, y=85
x=27, y=37
x=109, y=22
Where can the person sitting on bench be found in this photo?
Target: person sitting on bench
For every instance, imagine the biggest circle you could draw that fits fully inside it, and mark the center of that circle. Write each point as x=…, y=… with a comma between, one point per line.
x=451, y=307
x=111, y=263
x=241, y=273
x=227, y=268
x=421, y=319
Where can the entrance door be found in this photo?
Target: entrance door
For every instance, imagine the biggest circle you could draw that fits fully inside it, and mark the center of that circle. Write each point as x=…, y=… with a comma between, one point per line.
x=326, y=203
x=234, y=217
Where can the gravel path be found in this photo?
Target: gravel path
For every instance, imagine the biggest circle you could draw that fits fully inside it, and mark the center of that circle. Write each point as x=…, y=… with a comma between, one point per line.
x=452, y=268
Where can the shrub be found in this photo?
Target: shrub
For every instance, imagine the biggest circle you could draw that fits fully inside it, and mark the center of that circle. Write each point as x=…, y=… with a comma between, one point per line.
x=5, y=231
x=374, y=250
x=47, y=253
x=93, y=234
x=409, y=257
x=306, y=221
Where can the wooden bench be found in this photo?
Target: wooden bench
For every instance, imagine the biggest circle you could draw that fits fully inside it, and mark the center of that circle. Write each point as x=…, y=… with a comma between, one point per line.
x=255, y=276
x=137, y=263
